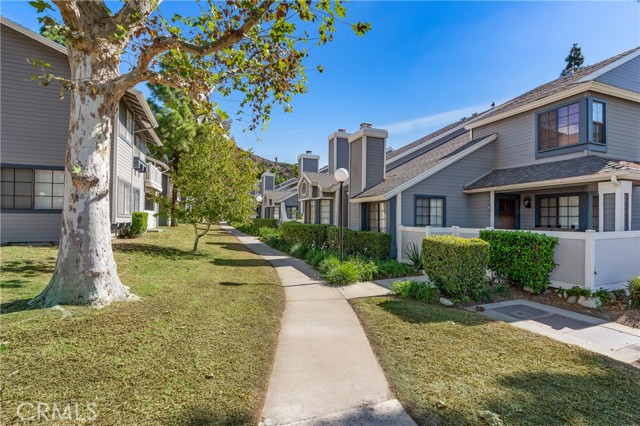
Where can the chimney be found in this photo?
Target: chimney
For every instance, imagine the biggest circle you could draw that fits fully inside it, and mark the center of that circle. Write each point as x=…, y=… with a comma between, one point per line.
x=338, y=150
x=267, y=182
x=307, y=163
x=367, y=149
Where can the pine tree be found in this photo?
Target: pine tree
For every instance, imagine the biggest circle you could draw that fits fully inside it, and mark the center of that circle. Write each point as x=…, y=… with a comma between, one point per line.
x=574, y=60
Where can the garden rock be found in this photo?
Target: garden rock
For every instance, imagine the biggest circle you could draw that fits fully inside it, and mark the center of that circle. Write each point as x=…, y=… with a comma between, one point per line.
x=590, y=302
x=528, y=289
x=572, y=299
x=446, y=302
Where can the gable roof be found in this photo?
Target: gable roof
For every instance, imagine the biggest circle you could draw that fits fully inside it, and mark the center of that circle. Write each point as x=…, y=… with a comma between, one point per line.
x=423, y=166
x=280, y=195
x=563, y=169
x=580, y=78
x=325, y=181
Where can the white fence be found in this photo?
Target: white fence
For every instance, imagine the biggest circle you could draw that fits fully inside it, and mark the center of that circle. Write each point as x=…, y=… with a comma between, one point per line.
x=587, y=259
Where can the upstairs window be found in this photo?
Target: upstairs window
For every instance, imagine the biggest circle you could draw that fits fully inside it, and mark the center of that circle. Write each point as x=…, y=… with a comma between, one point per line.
x=559, y=127
x=126, y=123
x=597, y=122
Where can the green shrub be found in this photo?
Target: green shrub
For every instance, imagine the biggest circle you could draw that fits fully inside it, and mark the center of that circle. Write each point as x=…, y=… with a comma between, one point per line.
x=413, y=252
x=329, y=263
x=315, y=256
x=138, y=226
x=343, y=273
x=457, y=266
x=299, y=250
x=269, y=234
x=423, y=291
x=265, y=223
x=579, y=291
x=523, y=257
x=247, y=228
x=313, y=235
x=634, y=292
x=390, y=268
x=375, y=245
x=367, y=268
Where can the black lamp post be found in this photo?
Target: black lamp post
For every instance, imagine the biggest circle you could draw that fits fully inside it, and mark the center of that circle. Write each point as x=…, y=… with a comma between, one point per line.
x=341, y=175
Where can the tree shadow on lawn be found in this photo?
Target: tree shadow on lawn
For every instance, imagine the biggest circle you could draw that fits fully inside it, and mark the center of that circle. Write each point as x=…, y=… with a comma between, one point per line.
x=29, y=268
x=12, y=283
x=153, y=250
x=422, y=313
x=204, y=416
x=229, y=246
x=244, y=263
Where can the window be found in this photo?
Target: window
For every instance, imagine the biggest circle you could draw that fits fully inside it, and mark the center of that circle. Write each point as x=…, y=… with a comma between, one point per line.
x=149, y=203
x=126, y=123
x=276, y=212
x=325, y=212
x=136, y=200
x=559, y=127
x=32, y=189
x=312, y=212
x=290, y=210
x=595, y=212
x=429, y=211
x=377, y=217
x=597, y=122
x=124, y=198
x=563, y=212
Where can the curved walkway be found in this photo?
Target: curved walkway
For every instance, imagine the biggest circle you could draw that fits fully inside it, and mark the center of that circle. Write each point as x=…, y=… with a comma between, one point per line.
x=325, y=371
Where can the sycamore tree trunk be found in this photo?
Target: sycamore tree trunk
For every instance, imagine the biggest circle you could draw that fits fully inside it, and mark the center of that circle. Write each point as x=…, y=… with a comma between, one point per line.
x=85, y=272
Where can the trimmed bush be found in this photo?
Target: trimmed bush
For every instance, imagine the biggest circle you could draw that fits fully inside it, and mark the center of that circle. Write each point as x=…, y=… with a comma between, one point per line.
x=457, y=266
x=522, y=257
x=634, y=292
x=313, y=235
x=265, y=223
x=138, y=226
x=375, y=245
x=269, y=234
x=390, y=268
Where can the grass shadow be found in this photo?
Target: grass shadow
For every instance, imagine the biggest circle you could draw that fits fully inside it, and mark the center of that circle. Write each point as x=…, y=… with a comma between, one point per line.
x=415, y=312
x=12, y=283
x=29, y=268
x=229, y=246
x=153, y=250
x=239, y=263
x=204, y=416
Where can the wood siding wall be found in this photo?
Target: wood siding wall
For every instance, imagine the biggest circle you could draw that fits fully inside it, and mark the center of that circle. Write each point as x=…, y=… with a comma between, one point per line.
x=625, y=76
x=355, y=174
x=375, y=161
x=450, y=183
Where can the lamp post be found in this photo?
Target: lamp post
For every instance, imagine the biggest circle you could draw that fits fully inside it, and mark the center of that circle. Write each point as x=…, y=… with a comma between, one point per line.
x=341, y=175
x=259, y=201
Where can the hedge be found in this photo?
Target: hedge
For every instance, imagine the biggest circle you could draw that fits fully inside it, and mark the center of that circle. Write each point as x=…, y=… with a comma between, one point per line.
x=522, y=257
x=457, y=266
x=265, y=223
x=301, y=233
x=139, y=223
x=375, y=245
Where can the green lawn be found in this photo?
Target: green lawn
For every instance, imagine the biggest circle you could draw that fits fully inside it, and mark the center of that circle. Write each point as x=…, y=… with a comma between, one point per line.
x=197, y=349
x=446, y=366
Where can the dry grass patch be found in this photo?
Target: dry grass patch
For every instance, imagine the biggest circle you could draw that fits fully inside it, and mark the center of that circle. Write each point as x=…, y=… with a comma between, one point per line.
x=447, y=366
x=197, y=350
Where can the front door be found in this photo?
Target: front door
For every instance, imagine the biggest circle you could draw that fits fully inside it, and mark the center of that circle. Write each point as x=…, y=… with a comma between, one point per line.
x=508, y=211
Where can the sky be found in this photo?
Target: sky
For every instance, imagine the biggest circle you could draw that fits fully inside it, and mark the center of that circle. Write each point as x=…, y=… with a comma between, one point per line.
x=425, y=65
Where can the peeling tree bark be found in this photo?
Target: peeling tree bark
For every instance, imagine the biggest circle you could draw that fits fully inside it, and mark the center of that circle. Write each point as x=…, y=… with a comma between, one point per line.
x=85, y=272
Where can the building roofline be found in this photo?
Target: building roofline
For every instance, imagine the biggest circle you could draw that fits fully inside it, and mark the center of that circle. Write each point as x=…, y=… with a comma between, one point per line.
x=33, y=35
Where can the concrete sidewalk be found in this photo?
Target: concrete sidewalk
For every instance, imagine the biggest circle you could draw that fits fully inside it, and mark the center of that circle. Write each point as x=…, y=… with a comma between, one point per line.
x=607, y=338
x=325, y=371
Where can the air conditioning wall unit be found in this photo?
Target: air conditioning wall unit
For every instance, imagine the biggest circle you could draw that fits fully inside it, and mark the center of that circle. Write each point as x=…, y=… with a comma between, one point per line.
x=139, y=165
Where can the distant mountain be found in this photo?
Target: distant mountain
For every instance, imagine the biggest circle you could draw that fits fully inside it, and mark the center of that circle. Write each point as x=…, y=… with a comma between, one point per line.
x=285, y=172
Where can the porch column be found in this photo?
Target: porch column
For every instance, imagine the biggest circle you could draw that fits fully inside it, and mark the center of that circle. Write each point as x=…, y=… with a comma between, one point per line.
x=614, y=205
x=492, y=218
x=398, y=227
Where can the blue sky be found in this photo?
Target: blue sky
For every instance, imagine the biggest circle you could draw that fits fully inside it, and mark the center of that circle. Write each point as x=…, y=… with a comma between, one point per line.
x=426, y=64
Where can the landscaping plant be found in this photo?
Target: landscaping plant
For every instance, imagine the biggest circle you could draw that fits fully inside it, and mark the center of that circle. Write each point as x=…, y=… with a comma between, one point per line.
x=422, y=291
x=457, y=266
x=634, y=292
x=413, y=252
x=522, y=257
x=138, y=224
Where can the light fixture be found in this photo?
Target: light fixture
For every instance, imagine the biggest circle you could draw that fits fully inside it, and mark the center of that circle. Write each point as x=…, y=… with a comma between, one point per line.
x=259, y=198
x=527, y=202
x=341, y=175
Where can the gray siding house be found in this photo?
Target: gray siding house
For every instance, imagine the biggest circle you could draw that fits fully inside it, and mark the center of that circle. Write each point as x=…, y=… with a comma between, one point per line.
x=34, y=125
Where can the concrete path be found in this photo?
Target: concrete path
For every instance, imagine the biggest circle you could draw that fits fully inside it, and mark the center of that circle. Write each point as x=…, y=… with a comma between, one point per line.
x=607, y=338
x=324, y=365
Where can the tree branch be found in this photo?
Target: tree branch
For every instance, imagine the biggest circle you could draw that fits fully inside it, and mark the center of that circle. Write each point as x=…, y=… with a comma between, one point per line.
x=129, y=16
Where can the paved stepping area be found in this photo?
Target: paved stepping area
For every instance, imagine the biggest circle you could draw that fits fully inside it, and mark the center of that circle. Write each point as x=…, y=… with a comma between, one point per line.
x=611, y=339
x=325, y=372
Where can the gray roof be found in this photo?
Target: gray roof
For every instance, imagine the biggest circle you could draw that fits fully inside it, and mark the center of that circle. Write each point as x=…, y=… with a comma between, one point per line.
x=419, y=165
x=583, y=166
x=556, y=86
x=280, y=195
x=326, y=181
